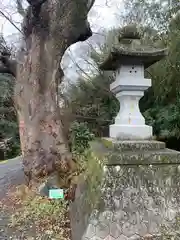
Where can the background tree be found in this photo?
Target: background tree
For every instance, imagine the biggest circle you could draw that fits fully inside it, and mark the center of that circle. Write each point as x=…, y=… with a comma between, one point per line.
x=155, y=14
x=8, y=124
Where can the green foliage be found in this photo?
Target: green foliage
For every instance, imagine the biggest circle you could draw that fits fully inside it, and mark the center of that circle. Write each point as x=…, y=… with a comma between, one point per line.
x=80, y=136
x=161, y=104
x=165, y=120
x=155, y=14
x=13, y=148
x=8, y=119
x=92, y=101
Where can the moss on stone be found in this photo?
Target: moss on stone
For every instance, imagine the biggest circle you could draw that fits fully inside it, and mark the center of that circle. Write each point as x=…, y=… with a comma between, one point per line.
x=91, y=175
x=130, y=31
x=107, y=142
x=165, y=159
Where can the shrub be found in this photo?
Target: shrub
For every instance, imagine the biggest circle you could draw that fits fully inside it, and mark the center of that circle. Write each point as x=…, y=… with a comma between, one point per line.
x=13, y=148
x=80, y=136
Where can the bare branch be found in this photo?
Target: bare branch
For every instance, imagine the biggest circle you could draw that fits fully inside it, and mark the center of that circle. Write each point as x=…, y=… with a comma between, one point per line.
x=90, y=4
x=11, y=22
x=77, y=65
x=93, y=65
x=20, y=8
x=3, y=46
x=107, y=4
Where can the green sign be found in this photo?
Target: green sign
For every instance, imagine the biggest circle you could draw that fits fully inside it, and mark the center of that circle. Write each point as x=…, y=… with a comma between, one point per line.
x=56, y=193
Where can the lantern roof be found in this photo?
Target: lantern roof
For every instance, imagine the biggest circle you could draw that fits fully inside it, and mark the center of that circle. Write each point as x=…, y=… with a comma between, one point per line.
x=131, y=50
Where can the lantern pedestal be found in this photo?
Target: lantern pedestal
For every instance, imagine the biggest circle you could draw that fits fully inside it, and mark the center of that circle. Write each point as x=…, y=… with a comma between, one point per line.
x=130, y=123
x=125, y=132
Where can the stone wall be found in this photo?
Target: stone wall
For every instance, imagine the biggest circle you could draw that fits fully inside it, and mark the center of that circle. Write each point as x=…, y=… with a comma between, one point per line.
x=140, y=196
x=79, y=213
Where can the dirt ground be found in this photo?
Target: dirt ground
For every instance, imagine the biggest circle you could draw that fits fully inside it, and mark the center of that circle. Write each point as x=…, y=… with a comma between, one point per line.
x=11, y=176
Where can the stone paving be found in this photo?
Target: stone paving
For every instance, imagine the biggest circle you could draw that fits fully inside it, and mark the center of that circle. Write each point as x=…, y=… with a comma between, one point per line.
x=11, y=174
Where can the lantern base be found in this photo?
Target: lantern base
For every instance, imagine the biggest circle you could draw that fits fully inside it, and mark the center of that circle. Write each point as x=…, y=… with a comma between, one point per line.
x=130, y=132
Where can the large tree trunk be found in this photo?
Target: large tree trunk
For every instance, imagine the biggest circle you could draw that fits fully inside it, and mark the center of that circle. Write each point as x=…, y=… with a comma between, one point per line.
x=60, y=23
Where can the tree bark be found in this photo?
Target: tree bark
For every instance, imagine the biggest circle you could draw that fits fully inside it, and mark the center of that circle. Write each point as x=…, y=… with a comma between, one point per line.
x=58, y=25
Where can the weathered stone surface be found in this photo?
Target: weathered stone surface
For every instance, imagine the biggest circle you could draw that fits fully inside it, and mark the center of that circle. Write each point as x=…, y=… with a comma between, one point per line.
x=135, y=237
x=165, y=156
x=110, y=238
x=115, y=230
x=91, y=231
x=102, y=230
x=129, y=229
x=139, y=200
x=137, y=152
x=133, y=145
x=96, y=238
x=131, y=49
x=122, y=237
x=80, y=217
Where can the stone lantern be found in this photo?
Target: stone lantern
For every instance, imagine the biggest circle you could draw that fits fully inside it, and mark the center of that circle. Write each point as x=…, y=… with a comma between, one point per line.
x=139, y=193
x=129, y=59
